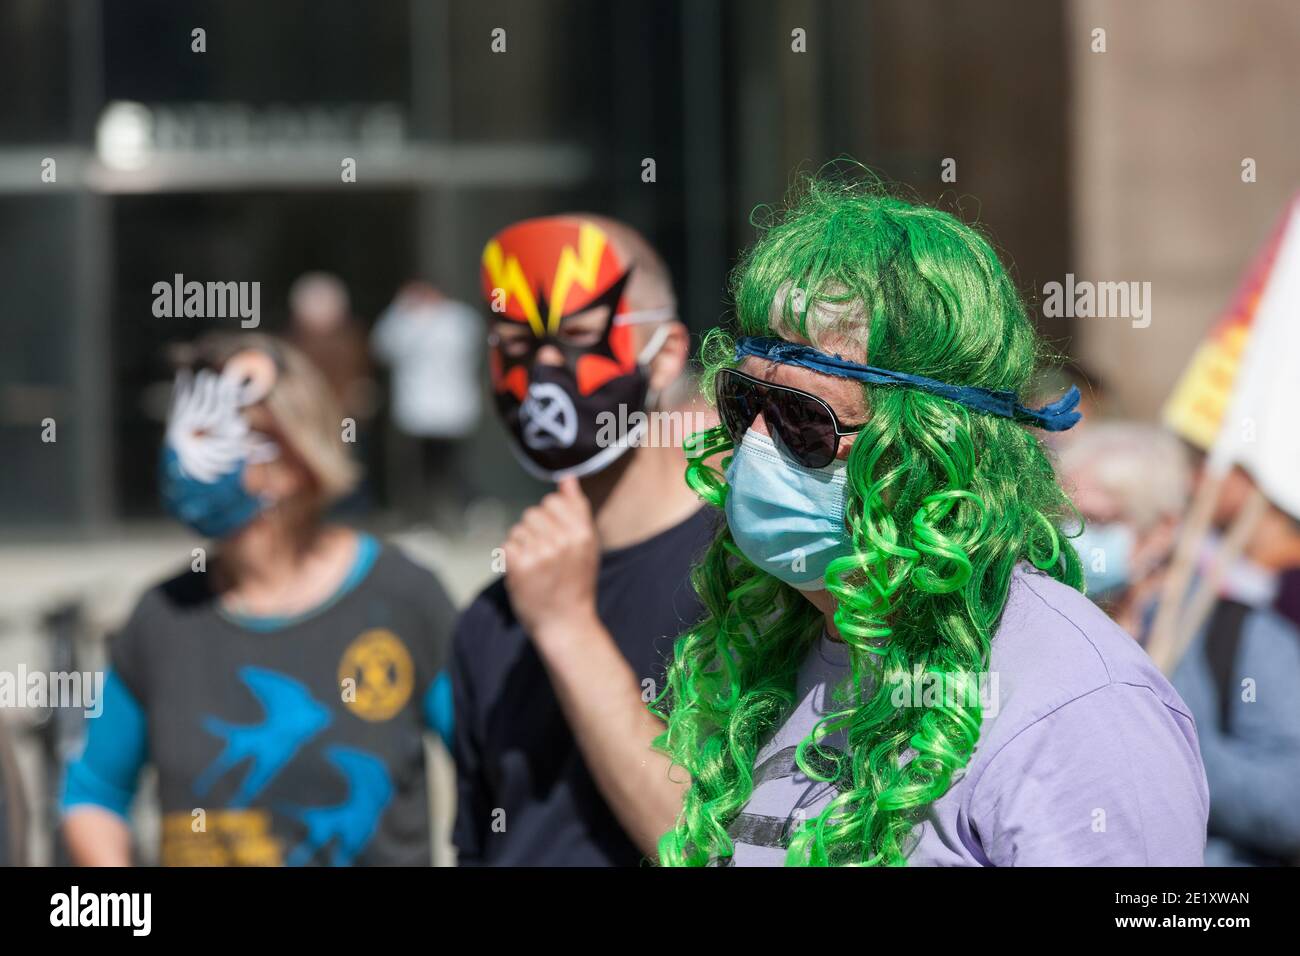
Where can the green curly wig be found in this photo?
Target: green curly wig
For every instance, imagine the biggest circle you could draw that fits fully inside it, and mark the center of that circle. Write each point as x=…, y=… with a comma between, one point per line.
x=941, y=503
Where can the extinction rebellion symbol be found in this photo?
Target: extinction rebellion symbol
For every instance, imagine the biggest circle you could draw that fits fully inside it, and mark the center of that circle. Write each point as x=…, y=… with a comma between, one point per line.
x=548, y=417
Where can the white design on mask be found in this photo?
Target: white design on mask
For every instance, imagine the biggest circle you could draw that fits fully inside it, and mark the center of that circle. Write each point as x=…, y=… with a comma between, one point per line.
x=205, y=428
x=548, y=417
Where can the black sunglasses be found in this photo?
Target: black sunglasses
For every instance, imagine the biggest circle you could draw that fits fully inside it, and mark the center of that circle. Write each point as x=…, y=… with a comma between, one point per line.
x=805, y=426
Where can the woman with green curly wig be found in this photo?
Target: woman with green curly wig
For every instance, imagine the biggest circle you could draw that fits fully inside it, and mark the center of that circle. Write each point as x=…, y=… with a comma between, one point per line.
x=896, y=665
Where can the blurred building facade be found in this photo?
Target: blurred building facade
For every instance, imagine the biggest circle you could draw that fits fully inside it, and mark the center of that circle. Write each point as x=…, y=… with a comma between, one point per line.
x=224, y=165
x=1189, y=97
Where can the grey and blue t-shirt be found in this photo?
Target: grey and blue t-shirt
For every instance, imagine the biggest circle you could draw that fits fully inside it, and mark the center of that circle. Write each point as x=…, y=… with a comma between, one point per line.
x=1086, y=756
x=293, y=741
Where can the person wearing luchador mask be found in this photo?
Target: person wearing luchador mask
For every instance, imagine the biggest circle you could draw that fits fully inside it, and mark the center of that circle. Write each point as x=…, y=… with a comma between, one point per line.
x=282, y=684
x=588, y=364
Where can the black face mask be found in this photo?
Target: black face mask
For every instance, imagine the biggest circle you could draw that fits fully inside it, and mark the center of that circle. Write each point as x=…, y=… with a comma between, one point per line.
x=558, y=432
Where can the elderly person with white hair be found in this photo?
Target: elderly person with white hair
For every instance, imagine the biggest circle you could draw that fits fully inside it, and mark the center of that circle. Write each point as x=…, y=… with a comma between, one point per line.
x=1130, y=482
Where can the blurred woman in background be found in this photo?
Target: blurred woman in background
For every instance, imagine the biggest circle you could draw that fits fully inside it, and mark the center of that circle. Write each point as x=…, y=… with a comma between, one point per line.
x=281, y=685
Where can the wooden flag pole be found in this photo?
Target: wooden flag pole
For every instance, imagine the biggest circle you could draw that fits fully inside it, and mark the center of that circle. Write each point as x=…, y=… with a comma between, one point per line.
x=1164, y=630
x=1207, y=594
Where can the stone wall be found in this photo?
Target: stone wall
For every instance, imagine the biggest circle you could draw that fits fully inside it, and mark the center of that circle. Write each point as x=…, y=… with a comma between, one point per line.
x=1162, y=121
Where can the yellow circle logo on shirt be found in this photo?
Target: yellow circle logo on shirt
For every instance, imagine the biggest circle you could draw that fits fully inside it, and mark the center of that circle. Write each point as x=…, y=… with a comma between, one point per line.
x=376, y=675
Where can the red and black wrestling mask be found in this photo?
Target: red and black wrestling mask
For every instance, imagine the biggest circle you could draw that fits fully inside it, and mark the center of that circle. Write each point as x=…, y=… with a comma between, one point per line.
x=558, y=281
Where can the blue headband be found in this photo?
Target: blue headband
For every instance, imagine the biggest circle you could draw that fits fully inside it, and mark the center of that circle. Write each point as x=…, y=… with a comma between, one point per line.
x=1056, y=417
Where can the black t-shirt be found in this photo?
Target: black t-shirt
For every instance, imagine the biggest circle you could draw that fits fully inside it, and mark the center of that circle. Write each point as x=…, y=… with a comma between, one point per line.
x=525, y=796
x=302, y=744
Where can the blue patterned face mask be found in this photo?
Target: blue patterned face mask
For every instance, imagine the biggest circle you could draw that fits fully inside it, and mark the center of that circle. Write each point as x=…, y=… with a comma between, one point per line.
x=212, y=509
x=787, y=519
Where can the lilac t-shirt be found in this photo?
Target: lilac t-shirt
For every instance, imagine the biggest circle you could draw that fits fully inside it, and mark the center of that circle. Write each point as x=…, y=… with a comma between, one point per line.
x=1086, y=757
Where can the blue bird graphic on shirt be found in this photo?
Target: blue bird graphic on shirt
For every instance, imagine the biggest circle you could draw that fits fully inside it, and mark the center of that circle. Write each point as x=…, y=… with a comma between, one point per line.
x=348, y=825
x=292, y=717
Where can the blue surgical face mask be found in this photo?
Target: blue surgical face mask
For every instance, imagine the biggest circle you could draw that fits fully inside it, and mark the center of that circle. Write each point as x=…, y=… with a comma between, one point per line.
x=787, y=519
x=1106, y=551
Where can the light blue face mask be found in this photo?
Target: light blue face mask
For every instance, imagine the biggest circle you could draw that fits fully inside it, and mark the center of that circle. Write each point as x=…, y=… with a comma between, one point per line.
x=787, y=519
x=1106, y=551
